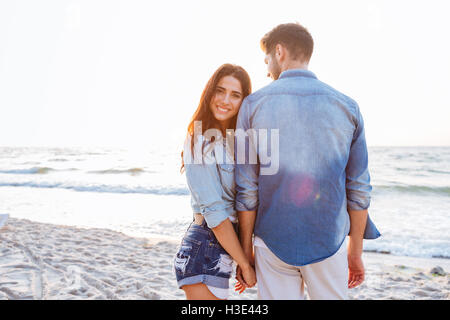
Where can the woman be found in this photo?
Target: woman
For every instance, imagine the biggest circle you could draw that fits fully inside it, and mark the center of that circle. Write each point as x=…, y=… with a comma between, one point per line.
x=203, y=264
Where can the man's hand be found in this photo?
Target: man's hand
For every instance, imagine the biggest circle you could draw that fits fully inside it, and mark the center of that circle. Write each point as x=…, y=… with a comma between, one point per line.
x=240, y=284
x=355, y=271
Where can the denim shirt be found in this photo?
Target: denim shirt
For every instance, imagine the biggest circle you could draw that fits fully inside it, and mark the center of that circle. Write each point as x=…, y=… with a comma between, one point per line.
x=323, y=168
x=211, y=182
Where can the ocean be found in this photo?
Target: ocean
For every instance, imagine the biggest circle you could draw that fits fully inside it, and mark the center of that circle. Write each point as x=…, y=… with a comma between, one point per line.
x=141, y=192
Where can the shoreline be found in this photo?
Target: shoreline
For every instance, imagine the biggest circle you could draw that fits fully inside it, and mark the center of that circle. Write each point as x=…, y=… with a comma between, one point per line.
x=46, y=261
x=161, y=238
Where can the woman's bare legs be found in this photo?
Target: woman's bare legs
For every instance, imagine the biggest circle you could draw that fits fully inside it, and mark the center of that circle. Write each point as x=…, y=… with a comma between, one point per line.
x=198, y=291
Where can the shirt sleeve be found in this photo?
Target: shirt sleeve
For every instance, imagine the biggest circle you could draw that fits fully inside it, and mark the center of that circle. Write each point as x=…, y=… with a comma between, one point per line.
x=357, y=172
x=246, y=172
x=204, y=184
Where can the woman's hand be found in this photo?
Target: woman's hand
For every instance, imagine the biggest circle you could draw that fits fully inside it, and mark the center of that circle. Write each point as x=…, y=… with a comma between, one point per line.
x=239, y=287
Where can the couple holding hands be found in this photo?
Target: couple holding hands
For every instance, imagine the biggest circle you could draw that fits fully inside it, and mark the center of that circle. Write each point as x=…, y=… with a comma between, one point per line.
x=300, y=225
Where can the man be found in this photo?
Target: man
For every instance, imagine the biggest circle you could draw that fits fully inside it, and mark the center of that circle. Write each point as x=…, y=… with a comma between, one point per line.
x=302, y=214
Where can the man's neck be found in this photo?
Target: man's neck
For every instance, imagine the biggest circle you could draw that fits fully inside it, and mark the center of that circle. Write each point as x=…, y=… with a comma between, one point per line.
x=294, y=65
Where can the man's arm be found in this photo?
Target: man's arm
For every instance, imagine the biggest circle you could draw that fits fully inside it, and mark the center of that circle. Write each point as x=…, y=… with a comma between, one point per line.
x=246, y=176
x=246, y=226
x=358, y=190
x=358, y=220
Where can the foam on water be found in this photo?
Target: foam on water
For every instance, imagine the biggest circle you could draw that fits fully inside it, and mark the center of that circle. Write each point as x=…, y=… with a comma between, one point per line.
x=142, y=193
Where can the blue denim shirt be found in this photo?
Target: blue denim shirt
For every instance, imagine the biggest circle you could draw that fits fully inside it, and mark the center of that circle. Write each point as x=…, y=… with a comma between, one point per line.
x=211, y=182
x=323, y=168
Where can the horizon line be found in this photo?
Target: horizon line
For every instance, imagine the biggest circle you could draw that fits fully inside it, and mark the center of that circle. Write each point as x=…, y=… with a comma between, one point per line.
x=134, y=146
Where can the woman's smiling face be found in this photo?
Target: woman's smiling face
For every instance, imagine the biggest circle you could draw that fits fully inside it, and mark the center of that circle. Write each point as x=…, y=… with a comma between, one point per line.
x=227, y=99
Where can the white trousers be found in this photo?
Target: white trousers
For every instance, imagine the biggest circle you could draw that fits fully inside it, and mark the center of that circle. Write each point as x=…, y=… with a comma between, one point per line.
x=324, y=280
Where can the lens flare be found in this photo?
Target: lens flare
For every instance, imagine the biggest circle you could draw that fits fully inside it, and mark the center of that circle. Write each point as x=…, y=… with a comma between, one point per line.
x=302, y=190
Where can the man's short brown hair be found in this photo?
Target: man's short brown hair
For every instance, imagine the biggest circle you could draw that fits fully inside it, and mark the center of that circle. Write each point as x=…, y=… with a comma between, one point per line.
x=294, y=37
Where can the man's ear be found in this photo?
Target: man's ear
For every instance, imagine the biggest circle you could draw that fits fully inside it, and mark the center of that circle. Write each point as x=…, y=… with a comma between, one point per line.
x=280, y=52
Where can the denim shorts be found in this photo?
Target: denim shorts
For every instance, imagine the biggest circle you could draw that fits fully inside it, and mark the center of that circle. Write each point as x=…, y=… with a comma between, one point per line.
x=201, y=259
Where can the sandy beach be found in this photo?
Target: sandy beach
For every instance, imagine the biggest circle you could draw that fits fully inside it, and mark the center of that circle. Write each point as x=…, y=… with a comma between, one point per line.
x=45, y=261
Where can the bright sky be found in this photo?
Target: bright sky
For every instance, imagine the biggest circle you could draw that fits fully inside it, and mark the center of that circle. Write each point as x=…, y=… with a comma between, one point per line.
x=130, y=73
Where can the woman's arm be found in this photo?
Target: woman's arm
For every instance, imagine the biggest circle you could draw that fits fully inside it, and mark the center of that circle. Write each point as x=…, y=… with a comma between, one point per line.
x=228, y=239
x=204, y=183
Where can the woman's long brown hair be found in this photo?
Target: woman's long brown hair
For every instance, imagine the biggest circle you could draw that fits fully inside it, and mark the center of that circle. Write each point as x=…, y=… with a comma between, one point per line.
x=203, y=112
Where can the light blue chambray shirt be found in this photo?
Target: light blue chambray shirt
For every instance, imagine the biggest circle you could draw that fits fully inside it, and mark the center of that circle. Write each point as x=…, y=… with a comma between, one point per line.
x=323, y=168
x=211, y=182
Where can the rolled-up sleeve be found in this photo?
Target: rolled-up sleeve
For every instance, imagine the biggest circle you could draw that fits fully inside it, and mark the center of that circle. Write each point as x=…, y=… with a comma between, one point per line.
x=204, y=184
x=246, y=173
x=357, y=172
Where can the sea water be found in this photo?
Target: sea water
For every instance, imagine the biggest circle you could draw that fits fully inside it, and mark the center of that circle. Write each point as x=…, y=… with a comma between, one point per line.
x=141, y=192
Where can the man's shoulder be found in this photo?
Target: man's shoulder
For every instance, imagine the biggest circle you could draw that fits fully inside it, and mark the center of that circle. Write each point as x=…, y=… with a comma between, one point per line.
x=314, y=87
x=259, y=97
x=338, y=94
x=260, y=93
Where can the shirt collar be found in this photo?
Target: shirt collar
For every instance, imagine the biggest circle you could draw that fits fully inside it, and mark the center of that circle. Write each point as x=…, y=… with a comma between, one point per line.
x=297, y=73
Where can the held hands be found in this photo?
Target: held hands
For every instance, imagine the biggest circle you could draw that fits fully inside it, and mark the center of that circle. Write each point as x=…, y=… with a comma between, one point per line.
x=245, y=275
x=246, y=278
